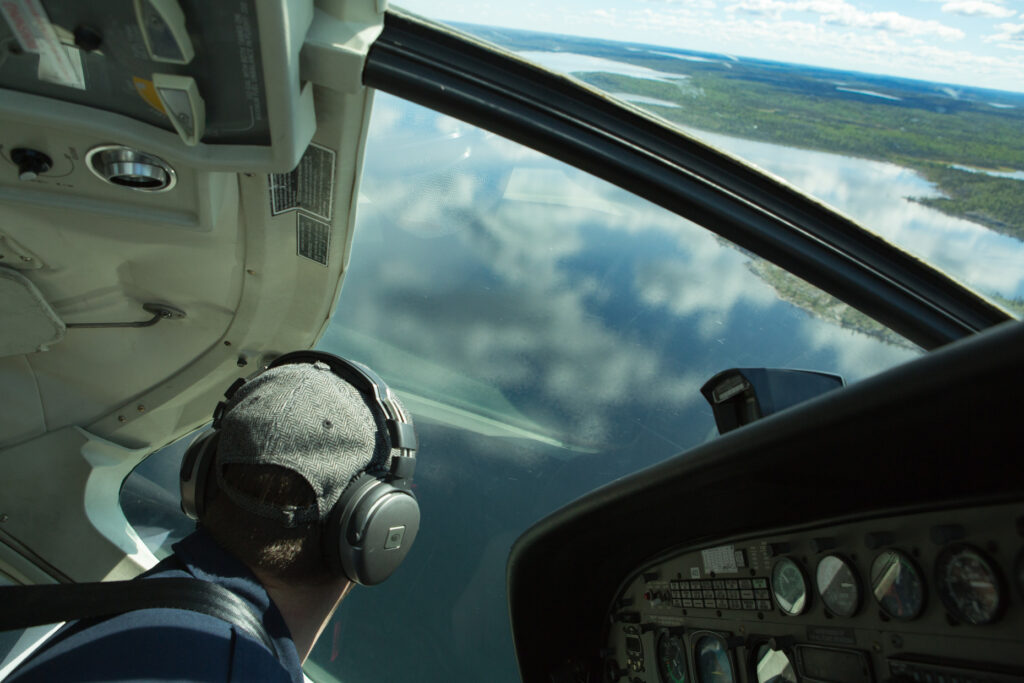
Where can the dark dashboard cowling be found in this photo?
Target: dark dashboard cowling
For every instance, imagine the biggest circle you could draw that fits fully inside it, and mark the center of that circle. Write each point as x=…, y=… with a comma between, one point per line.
x=939, y=433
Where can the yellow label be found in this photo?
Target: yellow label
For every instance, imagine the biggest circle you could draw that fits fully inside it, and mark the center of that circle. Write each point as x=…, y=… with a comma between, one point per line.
x=148, y=93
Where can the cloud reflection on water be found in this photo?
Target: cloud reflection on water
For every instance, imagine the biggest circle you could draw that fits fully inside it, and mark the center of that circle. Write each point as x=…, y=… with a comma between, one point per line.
x=584, y=309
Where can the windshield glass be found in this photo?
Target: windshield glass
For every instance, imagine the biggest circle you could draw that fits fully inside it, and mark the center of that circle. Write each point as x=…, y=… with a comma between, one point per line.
x=907, y=116
x=550, y=333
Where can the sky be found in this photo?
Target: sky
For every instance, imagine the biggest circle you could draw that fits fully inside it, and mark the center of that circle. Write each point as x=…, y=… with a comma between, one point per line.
x=965, y=42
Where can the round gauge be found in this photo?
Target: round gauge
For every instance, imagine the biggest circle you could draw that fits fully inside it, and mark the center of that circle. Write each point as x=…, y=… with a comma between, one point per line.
x=773, y=666
x=969, y=584
x=712, y=660
x=838, y=586
x=897, y=586
x=671, y=658
x=789, y=587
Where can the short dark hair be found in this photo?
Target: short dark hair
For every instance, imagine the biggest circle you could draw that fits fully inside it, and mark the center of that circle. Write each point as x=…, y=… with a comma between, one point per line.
x=291, y=554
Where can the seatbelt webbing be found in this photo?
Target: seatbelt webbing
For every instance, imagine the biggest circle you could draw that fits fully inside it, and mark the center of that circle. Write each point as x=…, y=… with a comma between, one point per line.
x=24, y=606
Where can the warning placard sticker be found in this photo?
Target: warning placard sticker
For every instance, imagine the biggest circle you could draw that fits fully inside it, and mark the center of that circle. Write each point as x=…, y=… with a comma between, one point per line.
x=313, y=238
x=31, y=26
x=309, y=188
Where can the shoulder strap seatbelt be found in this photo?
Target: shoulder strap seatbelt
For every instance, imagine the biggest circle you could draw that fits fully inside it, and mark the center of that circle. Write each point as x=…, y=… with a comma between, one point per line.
x=24, y=606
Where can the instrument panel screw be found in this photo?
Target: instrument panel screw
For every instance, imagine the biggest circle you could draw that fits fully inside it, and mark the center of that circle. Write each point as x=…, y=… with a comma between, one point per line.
x=250, y=271
x=141, y=408
x=896, y=641
x=122, y=418
x=3, y=518
x=26, y=259
x=227, y=343
x=877, y=647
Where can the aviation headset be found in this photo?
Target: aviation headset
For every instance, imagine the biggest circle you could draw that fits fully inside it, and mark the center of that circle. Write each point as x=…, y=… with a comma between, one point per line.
x=372, y=526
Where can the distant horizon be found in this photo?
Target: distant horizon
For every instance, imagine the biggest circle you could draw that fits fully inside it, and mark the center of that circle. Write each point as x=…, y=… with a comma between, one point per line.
x=963, y=43
x=735, y=56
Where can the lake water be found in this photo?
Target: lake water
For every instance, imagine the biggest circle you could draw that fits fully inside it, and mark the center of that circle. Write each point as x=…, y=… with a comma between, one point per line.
x=571, y=62
x=869, y=93
x=641, y=99
x=1015, y=175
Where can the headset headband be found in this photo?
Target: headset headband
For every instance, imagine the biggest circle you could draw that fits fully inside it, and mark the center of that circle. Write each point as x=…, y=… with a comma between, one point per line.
x=402, y=434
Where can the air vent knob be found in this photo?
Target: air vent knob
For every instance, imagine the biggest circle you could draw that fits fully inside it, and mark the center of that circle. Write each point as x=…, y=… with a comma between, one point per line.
x=31, y=162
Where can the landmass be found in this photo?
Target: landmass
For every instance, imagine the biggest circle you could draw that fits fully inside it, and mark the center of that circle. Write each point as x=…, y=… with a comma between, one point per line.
x=822, y=305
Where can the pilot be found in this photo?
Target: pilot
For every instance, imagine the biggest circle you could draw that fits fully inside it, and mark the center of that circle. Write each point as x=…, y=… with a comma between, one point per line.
x=291, y=447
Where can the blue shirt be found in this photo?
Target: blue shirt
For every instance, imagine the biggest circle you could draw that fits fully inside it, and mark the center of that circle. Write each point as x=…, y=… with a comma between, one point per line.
x=170, y=644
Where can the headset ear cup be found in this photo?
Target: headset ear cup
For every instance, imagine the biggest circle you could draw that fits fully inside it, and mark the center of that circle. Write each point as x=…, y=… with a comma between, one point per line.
x=371, y=530
x=332, y=538
x=196, y=473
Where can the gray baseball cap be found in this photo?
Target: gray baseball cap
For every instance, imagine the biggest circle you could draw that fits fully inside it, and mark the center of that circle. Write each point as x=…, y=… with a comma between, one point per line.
x=303, y=417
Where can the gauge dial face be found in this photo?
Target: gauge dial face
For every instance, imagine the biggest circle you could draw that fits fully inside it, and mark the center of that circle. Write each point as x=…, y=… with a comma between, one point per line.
x=969, y=584
x=713, y=663
x=897, y=586
x=789, y=586
x=671, y=658
x=838, y=586
x=773, y=666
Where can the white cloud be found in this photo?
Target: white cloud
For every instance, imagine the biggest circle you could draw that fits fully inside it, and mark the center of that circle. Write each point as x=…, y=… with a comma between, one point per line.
x=1010, y=35
x=978, y=8
x=682, y=286
x=841, y=13
x=822, y=43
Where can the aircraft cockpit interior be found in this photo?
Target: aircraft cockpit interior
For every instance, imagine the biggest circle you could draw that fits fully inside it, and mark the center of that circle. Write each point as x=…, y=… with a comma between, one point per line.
x=708, y=319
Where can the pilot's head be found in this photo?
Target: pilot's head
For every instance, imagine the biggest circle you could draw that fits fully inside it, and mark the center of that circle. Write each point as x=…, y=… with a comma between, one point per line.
x=290, y=442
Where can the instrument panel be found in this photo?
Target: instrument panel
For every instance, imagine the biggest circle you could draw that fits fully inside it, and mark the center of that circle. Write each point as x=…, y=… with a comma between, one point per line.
x=934, y=597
